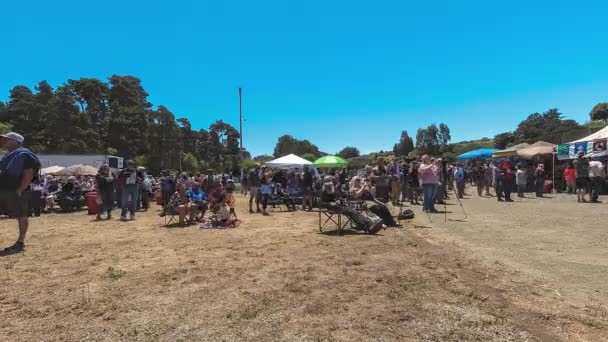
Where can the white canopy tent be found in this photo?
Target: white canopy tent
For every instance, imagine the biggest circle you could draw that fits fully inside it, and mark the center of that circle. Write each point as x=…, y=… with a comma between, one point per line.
x=290, y=161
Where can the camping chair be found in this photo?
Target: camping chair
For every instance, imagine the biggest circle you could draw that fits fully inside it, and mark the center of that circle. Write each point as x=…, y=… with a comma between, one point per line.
x=170, y=215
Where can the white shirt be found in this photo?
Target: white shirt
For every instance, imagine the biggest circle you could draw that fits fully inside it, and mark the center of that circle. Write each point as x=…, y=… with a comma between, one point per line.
x=596, y=169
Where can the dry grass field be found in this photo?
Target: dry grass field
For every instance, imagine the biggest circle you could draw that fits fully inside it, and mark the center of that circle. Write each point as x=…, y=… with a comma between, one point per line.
x=531, y=271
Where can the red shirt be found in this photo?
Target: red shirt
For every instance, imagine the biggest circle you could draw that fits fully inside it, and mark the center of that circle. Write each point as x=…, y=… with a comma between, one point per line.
x=570, y=174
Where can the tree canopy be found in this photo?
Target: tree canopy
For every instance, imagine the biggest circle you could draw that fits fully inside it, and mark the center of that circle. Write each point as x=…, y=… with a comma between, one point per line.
x=349, y=152
x=89, y=115
x=287, y=144
x=404, y=146
x=600, y=112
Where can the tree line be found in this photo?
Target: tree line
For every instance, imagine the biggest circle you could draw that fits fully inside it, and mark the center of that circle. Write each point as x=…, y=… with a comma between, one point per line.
x=114, y=117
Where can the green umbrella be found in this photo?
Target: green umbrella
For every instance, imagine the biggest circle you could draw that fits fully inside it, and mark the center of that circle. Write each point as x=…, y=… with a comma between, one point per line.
x=330, y=161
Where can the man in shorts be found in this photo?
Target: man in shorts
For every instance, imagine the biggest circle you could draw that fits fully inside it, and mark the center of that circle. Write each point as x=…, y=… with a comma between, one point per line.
x=253, y=182
x=581, y=166
x=17, y=170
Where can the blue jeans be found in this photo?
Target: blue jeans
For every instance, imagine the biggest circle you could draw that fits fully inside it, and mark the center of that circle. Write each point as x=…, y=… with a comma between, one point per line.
x=429, y=191
x=131, y=190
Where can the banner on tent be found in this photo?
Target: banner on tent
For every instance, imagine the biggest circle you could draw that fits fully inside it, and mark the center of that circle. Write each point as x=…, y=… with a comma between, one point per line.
x=599, y=146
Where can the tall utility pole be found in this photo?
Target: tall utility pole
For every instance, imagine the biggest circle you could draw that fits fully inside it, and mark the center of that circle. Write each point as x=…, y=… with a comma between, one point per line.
x=241, y=118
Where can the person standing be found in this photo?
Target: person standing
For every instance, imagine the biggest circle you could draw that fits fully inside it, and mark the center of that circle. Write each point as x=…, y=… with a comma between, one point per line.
x=104, y=183
x=478, y=176
x=18, y=168
x=428, y=174
x=539, y=180
x=570, y=178
x=597, y=175
x=497, y=180
x=131, y=180
x=459, y=178
x=487, y=179
x=507, y=180
x=581, y=166
x=253, y=183
x=521, y=179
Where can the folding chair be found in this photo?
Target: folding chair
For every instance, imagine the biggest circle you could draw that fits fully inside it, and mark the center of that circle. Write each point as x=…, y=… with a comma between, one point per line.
x=170, y=216
x=330, y=218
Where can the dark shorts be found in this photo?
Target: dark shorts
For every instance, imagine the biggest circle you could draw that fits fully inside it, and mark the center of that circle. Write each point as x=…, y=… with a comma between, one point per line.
x=13, y=205
x=582, y=182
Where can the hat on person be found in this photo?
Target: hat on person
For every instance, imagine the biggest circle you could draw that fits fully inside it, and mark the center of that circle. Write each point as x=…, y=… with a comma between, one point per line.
x=13, y=136
x=580, y=154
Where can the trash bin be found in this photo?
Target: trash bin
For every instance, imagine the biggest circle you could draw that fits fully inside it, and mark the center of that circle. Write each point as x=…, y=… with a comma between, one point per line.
x=92, y=202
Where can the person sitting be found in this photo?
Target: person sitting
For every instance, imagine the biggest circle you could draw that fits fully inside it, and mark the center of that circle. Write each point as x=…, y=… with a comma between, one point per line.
x=51, y=193
x=70, y=198
x=284, y=197
x=181, y=204
x=199, y=199
x=360, y=190
x=221, y=216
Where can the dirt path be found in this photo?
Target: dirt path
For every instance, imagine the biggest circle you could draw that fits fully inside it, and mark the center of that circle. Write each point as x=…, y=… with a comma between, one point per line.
x=274, y=279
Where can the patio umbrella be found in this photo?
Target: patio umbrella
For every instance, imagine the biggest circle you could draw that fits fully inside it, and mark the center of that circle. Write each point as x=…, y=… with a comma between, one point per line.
x=330, y=161
x=510, y=151
x=52, y=170
x=79, y=170
x=536, y=149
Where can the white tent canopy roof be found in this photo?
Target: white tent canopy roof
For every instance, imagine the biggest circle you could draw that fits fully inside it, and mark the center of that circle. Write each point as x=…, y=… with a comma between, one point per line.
x=601, y=134
x=290, y=161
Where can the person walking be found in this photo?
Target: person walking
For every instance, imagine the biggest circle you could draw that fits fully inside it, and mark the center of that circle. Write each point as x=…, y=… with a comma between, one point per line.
x=104, y=185
x=521, y=179
x=428, y=174
x=18, y=168
x=253, y=183
x=487, y=179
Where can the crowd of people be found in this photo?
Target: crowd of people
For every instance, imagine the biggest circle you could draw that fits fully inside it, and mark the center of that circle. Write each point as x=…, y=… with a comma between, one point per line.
x=425, y=180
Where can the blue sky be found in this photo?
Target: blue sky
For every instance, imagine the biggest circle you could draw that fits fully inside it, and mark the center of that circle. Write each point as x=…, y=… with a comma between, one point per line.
x=335, y=72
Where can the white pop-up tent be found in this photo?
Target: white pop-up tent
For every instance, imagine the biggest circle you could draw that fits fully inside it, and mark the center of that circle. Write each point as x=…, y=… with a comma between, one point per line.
x=290, y=161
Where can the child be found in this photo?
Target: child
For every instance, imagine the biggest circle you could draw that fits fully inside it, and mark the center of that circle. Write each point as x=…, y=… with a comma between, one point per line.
x=521, y=179
x=229, y=189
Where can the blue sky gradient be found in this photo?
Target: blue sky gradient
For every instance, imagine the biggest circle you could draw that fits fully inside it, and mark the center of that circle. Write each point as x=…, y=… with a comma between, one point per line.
x=335, y=72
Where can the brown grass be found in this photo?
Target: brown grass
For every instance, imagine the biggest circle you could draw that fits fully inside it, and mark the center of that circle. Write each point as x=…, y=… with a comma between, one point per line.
x=273, y=279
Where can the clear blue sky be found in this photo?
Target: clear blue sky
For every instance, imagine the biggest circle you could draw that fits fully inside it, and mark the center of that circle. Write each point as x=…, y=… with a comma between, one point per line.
x=335, y=72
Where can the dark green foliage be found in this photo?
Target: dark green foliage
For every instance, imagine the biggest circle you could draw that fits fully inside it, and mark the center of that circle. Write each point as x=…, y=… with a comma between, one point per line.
x=91, y=116
x=349, y=152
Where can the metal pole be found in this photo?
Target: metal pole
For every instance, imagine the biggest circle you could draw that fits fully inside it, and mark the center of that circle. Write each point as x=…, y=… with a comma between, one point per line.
x=241, y=118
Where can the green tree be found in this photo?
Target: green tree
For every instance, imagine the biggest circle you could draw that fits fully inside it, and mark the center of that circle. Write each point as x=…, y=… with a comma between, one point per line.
x=309, y=156
x=189, y=163
x=287, y=144
x=404, y=146
x=262, y=159
x=504, y=140
x=600, y=112
x=130, y=117
x=444, y=135
x=349, y=152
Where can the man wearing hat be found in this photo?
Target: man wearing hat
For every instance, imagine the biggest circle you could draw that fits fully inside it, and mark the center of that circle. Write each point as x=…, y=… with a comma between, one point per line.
x=17, y=170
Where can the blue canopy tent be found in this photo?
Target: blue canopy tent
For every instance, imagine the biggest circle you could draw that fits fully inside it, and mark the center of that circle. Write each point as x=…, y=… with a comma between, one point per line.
x=479, y=153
